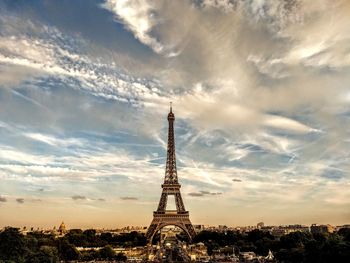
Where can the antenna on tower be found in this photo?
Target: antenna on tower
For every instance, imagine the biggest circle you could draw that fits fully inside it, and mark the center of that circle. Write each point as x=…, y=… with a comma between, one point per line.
x=171, y=106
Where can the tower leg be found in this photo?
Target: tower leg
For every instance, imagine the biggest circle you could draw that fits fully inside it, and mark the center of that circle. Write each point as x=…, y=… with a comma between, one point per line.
x=162, y=220
x=151, y=231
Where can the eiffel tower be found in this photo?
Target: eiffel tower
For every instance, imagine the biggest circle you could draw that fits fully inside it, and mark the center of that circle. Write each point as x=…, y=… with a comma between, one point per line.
x=163, y=217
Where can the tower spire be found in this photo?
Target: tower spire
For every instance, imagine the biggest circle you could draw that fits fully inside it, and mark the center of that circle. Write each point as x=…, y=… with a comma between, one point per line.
x=170, y=170
x=163, y=217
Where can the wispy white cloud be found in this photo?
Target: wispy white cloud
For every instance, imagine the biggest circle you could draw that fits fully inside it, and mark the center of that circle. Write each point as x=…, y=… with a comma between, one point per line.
x=12, y=154
x=55, y=141
x=139, y=17
x=54, y=55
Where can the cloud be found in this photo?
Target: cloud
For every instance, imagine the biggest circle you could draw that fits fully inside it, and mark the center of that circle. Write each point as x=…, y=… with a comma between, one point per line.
x=11, y=75
x=11, y=154
x=50, y=53
x=20, y=200
x=203, y=193
x=195, y=194
x=3, y=199
x=82, y=197
x=287, y=124
x=128, y=198
x=139, y=17
x=259, y=91
x=53, y=141
x=78, y=197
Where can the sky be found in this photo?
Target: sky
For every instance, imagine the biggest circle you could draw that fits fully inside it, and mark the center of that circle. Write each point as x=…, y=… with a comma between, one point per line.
x=260, y=91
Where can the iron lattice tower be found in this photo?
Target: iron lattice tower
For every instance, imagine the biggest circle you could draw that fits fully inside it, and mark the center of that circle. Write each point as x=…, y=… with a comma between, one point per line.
x=163, y=217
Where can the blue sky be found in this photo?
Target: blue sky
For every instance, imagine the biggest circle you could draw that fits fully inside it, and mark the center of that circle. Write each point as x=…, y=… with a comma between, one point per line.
x=260, y=92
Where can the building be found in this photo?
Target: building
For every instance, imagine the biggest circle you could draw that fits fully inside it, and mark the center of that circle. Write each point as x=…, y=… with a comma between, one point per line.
x=222, y=228
x=285, y=230
x=198, y=228
x=62, y=229
x=322, y=229
x=260, y=225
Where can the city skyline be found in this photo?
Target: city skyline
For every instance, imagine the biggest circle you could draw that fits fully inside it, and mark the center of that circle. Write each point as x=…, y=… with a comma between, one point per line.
x=260, y=90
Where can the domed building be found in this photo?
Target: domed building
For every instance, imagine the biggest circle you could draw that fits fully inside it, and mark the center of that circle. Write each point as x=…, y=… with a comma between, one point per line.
x=62, y=229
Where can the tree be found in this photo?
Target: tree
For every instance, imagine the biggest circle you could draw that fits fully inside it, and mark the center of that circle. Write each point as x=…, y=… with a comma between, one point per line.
x=256, y=234
x=89, y=255
x=12, y=245
x=132, y=239
x=46, y=254
x=67, y=251
x=345, y=233
x=295, y=240
x=121, y=257
x=90, y=234
x=107, y=237
x=77, y=238
x=106, y=252
x=264, y=245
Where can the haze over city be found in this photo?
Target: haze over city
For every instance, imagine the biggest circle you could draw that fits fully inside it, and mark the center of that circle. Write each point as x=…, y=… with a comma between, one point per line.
x=260, y=90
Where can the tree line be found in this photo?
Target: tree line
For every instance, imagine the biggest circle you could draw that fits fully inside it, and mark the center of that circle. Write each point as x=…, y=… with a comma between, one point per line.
x=296, y=247
x=37, y=247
